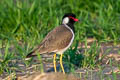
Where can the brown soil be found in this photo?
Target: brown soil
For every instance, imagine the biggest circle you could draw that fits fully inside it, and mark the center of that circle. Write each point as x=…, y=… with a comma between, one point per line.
x=108, y=50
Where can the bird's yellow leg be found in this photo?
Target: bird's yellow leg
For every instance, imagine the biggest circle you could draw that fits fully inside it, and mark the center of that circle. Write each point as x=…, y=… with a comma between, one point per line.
x=54, y=61
x=61, y=64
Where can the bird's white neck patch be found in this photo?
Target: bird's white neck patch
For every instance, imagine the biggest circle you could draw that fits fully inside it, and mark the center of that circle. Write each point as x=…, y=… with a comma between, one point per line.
x=65, y=20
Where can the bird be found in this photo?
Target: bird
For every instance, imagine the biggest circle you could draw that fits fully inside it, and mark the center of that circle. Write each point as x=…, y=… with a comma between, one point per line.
x=58, y=40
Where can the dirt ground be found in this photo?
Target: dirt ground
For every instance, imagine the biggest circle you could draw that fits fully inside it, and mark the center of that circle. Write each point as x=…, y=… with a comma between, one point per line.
x=110, y=51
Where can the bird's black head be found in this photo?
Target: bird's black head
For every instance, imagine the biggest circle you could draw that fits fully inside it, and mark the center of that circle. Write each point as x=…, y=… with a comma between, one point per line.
x=69, y=18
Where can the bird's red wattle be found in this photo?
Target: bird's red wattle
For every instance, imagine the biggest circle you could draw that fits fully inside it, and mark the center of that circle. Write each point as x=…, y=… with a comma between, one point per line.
x=75, y=19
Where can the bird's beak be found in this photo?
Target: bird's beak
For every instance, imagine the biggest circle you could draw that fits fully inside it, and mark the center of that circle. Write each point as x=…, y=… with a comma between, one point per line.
x=76, y=20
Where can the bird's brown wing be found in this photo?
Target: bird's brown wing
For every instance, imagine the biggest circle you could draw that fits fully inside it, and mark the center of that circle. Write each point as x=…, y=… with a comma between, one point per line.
x=59, y=38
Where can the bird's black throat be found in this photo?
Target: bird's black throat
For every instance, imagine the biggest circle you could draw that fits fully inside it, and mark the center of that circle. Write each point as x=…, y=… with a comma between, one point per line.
x=71, y=26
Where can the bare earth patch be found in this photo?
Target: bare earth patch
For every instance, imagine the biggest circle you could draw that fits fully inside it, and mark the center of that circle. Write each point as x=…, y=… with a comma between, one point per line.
x=106, y=71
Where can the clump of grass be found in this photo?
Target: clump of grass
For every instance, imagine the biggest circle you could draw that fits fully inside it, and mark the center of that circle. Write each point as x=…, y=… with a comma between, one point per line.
x=72, y=58
x=28, y=18
x=6, y=63
x=88, y=58
x=91, y=54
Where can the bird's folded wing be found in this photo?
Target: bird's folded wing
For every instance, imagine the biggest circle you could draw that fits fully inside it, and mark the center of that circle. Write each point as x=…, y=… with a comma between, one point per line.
x=57, y=39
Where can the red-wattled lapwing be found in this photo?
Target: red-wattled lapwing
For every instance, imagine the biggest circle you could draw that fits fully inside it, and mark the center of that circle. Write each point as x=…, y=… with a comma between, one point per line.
x=58, y=40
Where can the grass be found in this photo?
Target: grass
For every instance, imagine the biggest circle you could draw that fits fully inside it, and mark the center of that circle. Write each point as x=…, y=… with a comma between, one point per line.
x=24, y=23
